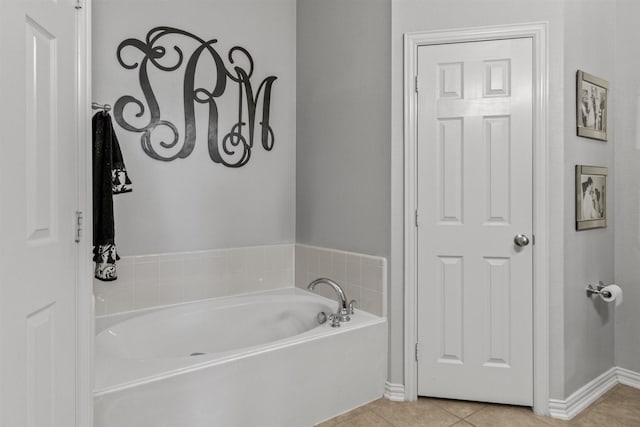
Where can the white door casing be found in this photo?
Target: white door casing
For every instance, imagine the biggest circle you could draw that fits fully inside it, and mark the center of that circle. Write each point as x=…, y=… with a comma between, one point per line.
x=538, y=32
x=41, y=372
x=475, y=325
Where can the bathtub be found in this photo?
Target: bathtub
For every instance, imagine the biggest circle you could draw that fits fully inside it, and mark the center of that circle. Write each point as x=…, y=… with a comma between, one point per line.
x=252, y=360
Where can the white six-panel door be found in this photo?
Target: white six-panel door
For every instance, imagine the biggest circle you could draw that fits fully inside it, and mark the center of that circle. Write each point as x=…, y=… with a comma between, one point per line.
x=475, y=325
x=38, y=197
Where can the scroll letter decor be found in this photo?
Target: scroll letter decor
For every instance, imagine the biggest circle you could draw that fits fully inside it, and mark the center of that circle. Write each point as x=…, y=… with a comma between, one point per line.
x=234, y=149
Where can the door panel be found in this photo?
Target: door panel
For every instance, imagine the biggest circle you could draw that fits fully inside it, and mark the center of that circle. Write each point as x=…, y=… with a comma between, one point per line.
x=40, y=135
x=475, y=318
x=38, y=198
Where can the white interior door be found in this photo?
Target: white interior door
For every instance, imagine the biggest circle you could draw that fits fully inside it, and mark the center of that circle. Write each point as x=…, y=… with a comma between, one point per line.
x=38, y=197
x=475, y=319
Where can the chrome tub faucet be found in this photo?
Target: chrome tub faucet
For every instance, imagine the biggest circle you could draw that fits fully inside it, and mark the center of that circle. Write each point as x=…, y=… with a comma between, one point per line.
x=344, y=308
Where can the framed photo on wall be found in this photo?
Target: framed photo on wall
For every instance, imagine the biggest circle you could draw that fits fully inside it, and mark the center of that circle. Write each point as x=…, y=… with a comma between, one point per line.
x=592, y=109
x=591, y=197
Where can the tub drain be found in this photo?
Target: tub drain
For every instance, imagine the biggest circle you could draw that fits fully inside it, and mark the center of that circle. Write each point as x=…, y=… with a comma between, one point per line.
x=197, y=354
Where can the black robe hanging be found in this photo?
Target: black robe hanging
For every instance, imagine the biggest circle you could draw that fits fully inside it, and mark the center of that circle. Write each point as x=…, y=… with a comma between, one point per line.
x=109, y=178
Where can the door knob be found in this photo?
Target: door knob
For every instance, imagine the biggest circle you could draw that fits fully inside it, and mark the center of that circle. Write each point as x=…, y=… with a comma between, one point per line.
x=521, y=240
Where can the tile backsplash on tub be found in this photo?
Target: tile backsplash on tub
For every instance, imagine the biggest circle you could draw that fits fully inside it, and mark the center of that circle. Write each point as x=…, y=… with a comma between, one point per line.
x=155, y=280
x=363, y=277
x=163, y=279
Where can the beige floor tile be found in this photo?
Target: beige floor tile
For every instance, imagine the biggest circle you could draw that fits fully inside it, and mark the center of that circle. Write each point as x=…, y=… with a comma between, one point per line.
x=329, y=423
x=621, y=402
x=459, y=408
x=386, y=402
x=598, y=419
x=505, y=416
x=389, y=405
x=607, y=395
x=381, y=402
x=357, y=411
x=626, y=391
x=621, y=408
x=552, y=421
x=421, y=413
x=341, y=418
x=364, y=419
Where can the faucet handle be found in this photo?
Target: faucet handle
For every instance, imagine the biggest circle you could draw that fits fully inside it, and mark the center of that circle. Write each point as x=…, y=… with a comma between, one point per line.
x=321, y=317
x=352, y=306
x=335, y=320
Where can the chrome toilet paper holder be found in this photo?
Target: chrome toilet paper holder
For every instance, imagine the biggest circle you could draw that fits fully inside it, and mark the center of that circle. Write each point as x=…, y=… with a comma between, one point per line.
x=598, y=290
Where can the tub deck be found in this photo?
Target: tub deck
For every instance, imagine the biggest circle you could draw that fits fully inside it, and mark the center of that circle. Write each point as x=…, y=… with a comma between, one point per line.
x=296, y=380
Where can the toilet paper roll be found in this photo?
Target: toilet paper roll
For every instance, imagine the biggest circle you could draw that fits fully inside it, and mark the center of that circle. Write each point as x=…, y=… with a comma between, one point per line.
x=616, y=294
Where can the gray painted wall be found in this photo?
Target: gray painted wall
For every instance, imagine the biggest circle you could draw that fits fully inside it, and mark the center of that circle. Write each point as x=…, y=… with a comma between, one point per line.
x=589, y=255
x=193, y=203
x=627, y=215
x=343, y=125
x=347, y=58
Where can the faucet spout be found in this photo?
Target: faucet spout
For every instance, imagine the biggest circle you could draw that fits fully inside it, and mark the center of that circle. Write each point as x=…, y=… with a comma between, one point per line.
x=343, y=310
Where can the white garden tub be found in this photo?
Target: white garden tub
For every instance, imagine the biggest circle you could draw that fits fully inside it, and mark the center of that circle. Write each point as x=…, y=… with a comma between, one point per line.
x=252, y=360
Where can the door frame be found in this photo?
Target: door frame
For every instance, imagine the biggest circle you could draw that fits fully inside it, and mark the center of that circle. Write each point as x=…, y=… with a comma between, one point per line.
x=85, y=315
x=537, y=31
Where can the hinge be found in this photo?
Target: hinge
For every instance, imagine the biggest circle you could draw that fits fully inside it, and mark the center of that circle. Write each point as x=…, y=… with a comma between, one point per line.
x=417, y=352
x=78, y=226
x=78, y=4
x=416, y=83
x=416, y=215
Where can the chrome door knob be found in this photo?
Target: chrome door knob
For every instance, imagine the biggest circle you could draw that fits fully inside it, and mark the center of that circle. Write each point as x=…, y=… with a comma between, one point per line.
x=521, y=240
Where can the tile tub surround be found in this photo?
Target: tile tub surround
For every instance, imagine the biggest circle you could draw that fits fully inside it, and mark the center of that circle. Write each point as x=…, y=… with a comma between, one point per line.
x=155, y=280
x=363, y=277
x=164, y=279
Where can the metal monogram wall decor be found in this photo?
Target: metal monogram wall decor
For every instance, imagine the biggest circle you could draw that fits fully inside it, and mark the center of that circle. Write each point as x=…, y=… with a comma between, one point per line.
x=234, y=150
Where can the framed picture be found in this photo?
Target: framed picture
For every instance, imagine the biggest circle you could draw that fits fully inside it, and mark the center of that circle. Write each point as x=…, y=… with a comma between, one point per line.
x=592, y=109
x=591, y=197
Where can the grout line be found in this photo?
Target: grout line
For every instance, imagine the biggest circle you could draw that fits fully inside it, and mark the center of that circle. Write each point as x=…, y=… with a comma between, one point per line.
x=384, y=419
x=435, y=401
x=485, y=406
x=473, y=413
x=381, y=416
x=349, y=418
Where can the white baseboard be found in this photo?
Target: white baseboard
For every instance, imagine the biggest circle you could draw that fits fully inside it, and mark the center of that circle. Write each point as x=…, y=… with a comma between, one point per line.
x=561, y=409
x=630, y=378
x=394, y=392
x=583, y=397
x=590, y=392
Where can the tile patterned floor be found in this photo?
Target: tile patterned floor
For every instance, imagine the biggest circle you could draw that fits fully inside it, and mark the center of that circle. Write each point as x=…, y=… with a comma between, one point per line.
x=620, y=407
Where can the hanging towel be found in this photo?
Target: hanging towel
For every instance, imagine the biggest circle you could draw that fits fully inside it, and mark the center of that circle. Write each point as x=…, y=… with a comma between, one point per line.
x=109, y=177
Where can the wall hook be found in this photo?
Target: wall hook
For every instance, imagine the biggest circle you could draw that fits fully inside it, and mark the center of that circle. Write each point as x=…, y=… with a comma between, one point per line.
x=104, y=107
